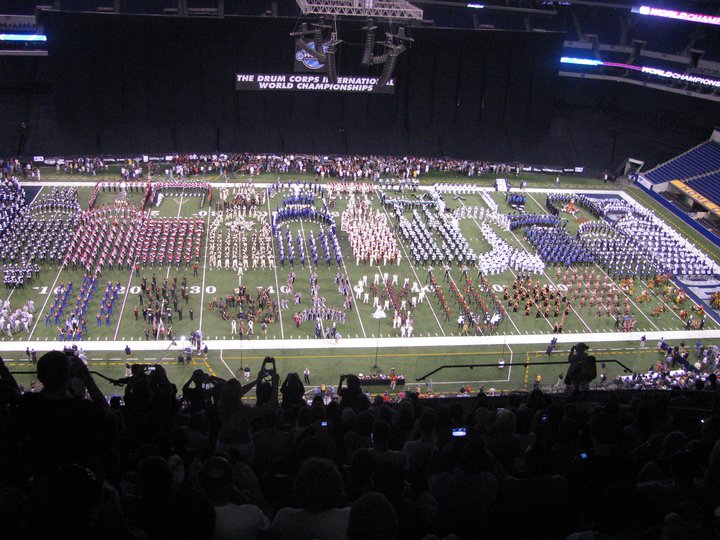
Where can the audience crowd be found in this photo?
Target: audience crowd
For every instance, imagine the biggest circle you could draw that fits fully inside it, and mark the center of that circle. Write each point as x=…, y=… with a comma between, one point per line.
x=198, y=461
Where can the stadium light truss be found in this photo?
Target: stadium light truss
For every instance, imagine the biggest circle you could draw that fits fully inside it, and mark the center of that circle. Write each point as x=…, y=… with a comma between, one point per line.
x=377, y=9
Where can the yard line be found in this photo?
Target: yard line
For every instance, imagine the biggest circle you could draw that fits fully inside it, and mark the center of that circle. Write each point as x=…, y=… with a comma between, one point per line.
x=355, y=308
x=207, y=241
x=50, y=293
x=11, y=293
x=412, y=267
x=671, y=310
x=277, y=285
x=225, y=364
x=167, y=274
x=127, y=292
x=547, y=276
x=515, y=275
x=613, y=281
x=507, y=312
x=307, y=255
x=511, y=361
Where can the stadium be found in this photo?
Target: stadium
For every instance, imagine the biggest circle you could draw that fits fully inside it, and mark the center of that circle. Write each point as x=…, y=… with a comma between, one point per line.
x=386, y=251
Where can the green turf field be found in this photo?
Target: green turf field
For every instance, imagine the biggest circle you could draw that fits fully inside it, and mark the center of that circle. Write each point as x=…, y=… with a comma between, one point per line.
x=413, y=363
x=326, y=365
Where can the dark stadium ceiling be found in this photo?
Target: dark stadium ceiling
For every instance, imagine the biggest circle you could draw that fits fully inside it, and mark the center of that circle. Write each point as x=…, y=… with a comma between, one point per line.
x=448, y=13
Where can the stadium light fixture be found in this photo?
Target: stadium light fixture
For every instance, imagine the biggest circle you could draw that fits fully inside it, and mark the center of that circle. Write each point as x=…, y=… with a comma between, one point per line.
x=23, y=37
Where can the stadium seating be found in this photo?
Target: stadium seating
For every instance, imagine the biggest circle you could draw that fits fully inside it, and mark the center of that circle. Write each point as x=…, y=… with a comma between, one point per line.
x=700, y=160
x=710, y=225
x=707, y=185
x=677, y=201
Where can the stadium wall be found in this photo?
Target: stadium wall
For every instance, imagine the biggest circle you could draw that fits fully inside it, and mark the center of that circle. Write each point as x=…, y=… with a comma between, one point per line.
x=119, y=84
x=158, y=84
x=715, y=239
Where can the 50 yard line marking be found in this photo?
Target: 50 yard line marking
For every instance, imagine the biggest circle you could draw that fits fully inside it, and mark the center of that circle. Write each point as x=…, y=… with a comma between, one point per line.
x=512, y=272
x=207, y=241
x=412, y=267
x=167, y=274
x=127, y=292
x=275, y=263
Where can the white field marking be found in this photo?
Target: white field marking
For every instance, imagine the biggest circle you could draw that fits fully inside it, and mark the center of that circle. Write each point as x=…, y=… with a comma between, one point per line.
x=207, y=241
x=547, y=276
x=511, y=362
x=127, y=293
x=277, y=285
x=11, y=293
x=619, y=288
x=167, y=274
x=515, y=275
x=602, y=338
x=310, y=267
x=603, y=271
x=225, y=364
x=51, y=292
x=355, y=308
x=412, y=267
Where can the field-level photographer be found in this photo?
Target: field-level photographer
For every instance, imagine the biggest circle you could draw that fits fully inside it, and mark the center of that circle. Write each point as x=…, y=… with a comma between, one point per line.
x=583, y=368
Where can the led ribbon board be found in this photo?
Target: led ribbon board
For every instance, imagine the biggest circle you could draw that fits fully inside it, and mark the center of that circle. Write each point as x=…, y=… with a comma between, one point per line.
x=678, y=15
x=643, y=69
x=23, y=37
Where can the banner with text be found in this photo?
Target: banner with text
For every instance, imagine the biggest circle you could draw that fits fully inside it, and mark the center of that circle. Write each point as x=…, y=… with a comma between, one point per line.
x=697, y=197
x=312, y=83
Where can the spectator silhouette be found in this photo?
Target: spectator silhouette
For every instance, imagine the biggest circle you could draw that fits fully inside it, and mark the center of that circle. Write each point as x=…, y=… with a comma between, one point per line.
x=319, y=490
x=232, y=520
x=57, y=419
x=372, y=517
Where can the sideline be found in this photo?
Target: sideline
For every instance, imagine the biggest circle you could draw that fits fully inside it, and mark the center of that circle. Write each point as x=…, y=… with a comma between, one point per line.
x=355, y=343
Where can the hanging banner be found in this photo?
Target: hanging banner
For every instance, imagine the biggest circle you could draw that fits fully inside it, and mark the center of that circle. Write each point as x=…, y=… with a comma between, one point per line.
x=260, y=82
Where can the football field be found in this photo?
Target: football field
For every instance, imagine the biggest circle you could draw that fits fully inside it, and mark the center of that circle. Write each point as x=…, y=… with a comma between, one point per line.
x=366, y=342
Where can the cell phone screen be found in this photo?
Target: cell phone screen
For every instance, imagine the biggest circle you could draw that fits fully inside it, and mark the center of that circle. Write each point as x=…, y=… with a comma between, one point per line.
x=459, y=432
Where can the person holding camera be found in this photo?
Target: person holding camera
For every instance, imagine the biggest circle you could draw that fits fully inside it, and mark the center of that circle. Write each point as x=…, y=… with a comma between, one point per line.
x=60, y=424
x=351, y=395
x=582, y=370
x=293, y=391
